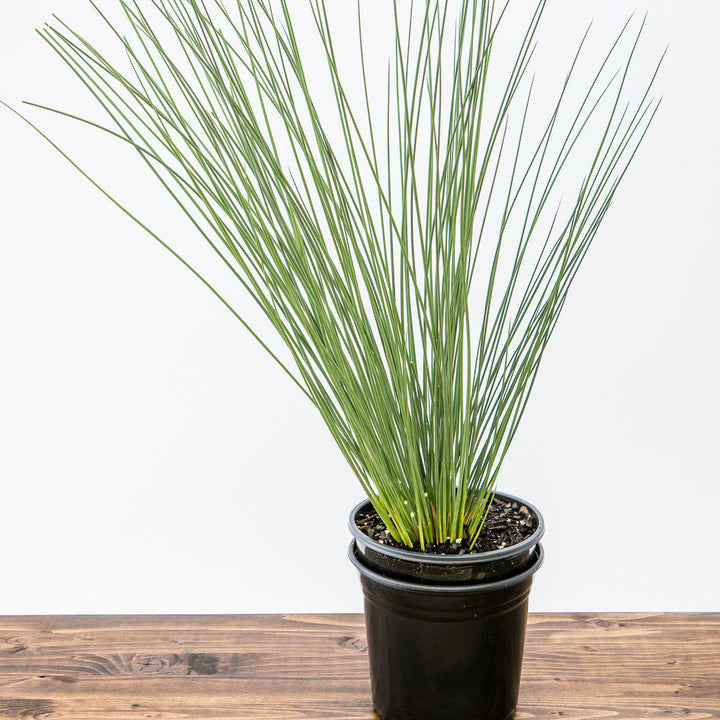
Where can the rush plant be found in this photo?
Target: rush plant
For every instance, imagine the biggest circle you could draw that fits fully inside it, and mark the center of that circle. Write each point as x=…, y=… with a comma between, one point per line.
x=412, y=247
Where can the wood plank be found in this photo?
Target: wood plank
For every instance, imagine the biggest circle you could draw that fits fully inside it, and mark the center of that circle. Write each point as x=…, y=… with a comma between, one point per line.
x=314, y=667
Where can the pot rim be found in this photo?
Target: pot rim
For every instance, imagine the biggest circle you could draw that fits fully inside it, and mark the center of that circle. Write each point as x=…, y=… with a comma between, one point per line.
x=539, y=559
x=450, y=560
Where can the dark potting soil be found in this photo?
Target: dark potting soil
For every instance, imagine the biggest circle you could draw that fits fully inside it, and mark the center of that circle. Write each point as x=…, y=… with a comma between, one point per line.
x=507, y=523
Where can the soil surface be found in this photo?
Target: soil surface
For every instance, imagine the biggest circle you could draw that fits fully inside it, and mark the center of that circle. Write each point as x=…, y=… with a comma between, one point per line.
x=507, y=523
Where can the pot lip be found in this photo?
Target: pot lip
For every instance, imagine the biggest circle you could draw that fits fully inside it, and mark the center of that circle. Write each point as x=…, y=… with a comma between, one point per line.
x=452, y=560
x=408, y=586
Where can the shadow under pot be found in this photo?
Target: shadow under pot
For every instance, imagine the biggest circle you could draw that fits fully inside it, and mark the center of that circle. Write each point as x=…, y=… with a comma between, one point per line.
x=445, y=650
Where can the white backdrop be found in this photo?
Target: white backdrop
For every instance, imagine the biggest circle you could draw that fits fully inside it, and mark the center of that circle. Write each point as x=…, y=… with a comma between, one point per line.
x=152, y=459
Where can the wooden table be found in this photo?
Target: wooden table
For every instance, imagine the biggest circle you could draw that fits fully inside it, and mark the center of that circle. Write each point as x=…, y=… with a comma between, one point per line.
x=314, y=667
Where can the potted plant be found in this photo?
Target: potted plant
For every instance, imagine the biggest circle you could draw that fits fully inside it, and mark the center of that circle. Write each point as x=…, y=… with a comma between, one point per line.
x=411, y=251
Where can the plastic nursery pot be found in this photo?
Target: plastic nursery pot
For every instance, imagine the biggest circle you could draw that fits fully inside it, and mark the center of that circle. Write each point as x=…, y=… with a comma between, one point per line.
x=434, y=569
x=443, y=650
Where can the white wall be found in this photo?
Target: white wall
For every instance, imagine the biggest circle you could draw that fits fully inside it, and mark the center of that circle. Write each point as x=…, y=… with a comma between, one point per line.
x=153, y=460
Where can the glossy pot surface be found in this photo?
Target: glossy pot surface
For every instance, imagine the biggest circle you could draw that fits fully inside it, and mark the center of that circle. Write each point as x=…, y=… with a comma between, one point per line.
x=445, y=652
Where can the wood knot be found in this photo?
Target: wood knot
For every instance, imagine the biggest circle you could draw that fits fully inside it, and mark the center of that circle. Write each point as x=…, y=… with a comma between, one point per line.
x=147, y=664
x=354, y=643
x=16, y=641
x=17, y=645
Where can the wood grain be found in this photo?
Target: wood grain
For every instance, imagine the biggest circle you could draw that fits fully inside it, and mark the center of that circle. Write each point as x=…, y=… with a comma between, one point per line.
x=578, y=667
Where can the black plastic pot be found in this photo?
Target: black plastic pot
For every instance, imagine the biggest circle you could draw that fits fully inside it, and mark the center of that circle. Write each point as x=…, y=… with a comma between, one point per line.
x=439, y=569
x=441, y=650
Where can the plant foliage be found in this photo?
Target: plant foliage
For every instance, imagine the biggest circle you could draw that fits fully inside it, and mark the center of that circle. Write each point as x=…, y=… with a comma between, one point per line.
x=414, y=262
